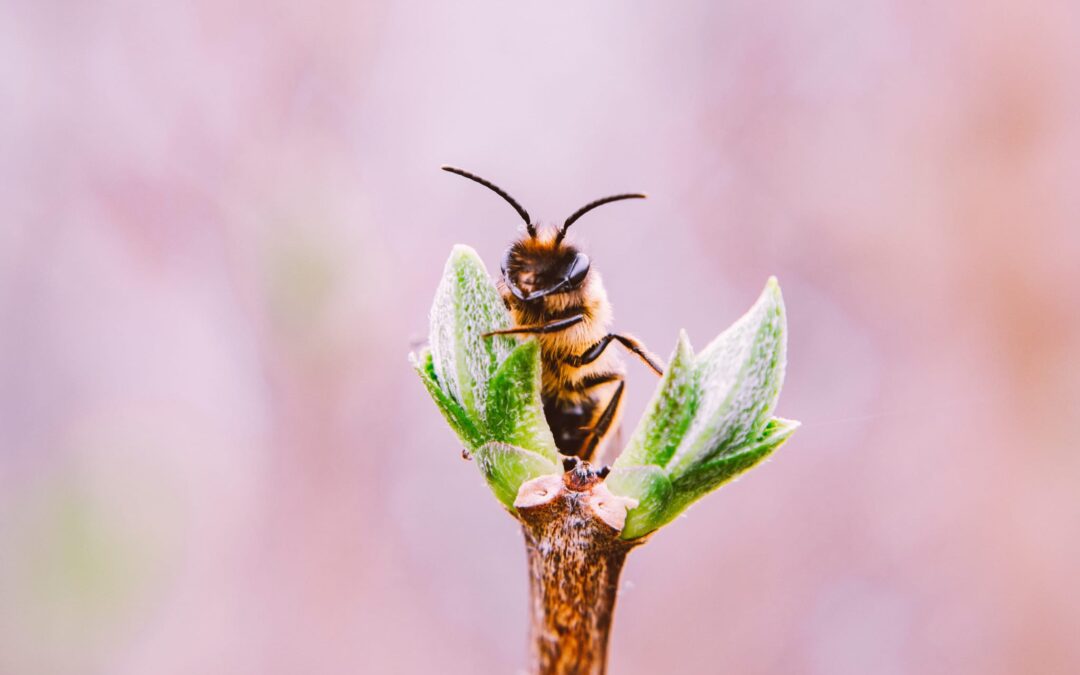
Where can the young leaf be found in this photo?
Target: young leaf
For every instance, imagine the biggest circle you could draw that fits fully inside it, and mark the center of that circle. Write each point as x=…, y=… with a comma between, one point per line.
x=650, y=486
x=459, y=420
x=506, y=468
x=706, y=477
x=515, y=413
x=669, y=413
x=739, y=377
x=466, y=306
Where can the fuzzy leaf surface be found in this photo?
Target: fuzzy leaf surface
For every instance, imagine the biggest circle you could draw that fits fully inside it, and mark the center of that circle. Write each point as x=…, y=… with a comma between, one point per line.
x=705, y=478
x=650, y=486
x=505, y=468
x=515, y=412
x=668, y=415
x=463, y=425
x=466, y=306
x=738, y=379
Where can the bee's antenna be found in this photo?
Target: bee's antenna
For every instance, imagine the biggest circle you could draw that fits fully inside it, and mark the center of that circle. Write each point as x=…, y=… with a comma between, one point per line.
x=499, y=191
x=589, y=207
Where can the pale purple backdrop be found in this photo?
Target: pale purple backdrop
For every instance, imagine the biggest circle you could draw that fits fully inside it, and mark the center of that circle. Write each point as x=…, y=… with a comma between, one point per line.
x=221, y=226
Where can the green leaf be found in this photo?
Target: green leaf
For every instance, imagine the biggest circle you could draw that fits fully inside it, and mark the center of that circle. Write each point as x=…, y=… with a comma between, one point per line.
x=710, y=475
x=506, y=468
x=515, y=412
x=739, y=376
x=455, y=415
x=466, y=306
x=651, y=487
x=669, y=413
x=488, y=389
x=710, y=418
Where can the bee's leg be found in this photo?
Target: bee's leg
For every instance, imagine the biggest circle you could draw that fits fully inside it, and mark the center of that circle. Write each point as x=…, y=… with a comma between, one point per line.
x=549, y=327
x=632, y=345
x=596, y=379
x=603, y=424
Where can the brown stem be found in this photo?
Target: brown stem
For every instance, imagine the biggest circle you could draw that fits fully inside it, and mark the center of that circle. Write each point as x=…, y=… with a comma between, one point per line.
x=571, y=525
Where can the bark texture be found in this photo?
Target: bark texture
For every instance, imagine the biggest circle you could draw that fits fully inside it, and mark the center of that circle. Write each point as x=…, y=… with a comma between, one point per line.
x=571, y=525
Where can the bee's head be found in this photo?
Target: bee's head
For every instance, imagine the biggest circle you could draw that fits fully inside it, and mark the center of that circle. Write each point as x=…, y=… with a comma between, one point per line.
x=538, y=266
x=534, y=268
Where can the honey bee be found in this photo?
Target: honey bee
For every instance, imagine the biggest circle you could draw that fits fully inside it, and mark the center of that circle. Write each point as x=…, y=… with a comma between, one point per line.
x=552, y=293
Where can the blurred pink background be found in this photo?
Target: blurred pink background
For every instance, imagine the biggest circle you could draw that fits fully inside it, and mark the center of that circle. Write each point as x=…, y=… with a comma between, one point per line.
x=223, y=223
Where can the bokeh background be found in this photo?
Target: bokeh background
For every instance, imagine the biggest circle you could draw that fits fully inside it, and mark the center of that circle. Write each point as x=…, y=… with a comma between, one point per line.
x=223, y=223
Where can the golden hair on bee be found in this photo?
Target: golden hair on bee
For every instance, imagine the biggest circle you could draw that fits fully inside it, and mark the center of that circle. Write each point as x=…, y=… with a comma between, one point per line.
x=553, y=294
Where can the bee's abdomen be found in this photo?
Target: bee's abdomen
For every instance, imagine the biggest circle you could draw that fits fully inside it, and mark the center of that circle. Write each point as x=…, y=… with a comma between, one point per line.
x=570, y=423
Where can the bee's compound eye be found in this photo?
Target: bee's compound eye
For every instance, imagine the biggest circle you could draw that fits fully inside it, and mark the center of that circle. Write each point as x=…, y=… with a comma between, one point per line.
x=579, y=269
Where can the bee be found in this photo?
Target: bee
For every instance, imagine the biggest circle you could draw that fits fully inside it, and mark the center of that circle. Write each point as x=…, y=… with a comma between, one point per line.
x=552, y=293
